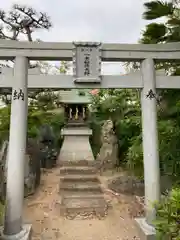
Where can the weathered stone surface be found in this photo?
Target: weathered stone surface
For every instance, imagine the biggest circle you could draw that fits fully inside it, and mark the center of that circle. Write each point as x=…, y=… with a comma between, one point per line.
x=132, y=185
x=127, y=185
x=48, y=148
x=81, y=193
x=108, y=155
x=46, y=134
x=48, y=155
x=85, y=170
x=75, y=148
x=84, y=207
x=25, y=233
x=32, y=168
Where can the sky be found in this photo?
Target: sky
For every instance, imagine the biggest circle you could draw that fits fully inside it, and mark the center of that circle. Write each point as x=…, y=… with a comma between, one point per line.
x=115, y=21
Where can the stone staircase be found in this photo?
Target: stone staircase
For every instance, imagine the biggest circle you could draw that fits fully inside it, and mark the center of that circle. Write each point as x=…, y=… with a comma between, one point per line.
x=80, y=190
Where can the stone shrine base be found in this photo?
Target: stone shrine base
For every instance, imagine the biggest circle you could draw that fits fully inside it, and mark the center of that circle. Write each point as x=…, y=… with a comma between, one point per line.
x=25, y=234
x=76, y=145
x=146, y=232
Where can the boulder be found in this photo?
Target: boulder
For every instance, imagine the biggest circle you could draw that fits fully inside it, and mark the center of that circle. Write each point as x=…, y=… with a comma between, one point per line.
x=47, y=141
x=32, y=168
x=127, y=185
x=108, y=155
x=46, y=134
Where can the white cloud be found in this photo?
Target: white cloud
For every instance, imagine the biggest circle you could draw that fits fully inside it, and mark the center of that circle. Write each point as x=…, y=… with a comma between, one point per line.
x=90, y=20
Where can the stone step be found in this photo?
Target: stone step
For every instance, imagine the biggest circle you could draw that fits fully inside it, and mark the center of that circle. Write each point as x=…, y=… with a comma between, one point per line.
x=77, y=170
x=80, y=187
x=78, y=163
x=79, y=178
x=77, y=124
x=76, y=131
x=84, y=206
x=80, y=195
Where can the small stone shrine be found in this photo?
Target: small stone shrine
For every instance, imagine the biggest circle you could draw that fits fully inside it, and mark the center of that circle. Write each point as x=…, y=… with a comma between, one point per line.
x=80, y=189
x=76, y=130
x=75, y=106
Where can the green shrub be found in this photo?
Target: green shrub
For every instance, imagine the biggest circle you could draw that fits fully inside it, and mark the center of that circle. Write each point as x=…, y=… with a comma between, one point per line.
x=167, y=223
x=1, y=214
x=4, y=123
x=37, y=118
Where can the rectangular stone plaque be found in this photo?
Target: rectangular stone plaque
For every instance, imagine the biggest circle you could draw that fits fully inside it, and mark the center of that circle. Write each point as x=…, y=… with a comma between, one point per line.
x=87, y=62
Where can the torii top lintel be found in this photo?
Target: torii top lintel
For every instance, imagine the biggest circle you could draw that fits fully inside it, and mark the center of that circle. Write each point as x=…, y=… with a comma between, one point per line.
x=9, y=49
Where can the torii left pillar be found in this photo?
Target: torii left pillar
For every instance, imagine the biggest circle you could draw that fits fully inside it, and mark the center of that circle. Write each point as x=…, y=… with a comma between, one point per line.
x=13, y=225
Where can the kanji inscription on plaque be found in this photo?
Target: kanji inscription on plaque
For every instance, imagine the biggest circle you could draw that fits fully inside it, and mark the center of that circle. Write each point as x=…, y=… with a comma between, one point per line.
x=87, y=62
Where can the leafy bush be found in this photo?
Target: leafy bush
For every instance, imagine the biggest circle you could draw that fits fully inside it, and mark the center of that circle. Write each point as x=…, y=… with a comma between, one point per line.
x=123, y=107
x=36, y=118
x=127, y=130
x=167, y=223
x=1, y=213
x=4, y=123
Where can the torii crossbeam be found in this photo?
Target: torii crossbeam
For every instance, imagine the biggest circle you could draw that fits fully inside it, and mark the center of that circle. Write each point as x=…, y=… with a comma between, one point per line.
x=87, y=58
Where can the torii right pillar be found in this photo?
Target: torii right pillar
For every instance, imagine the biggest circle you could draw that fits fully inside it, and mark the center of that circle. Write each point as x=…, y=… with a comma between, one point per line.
x=150, y=149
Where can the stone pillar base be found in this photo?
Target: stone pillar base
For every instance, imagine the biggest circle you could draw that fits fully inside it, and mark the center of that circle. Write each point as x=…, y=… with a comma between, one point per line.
x=146, y=232
x=25, y=234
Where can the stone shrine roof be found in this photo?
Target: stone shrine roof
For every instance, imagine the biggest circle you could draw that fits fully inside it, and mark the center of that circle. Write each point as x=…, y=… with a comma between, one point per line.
x=75, y=96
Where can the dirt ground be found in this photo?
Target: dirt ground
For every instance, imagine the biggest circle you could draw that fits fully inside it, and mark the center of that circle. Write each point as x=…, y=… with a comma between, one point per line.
x=42, y=210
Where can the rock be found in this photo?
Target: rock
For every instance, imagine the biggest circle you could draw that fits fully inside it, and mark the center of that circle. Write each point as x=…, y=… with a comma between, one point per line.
x=108, y=155
x=132, y=185
x=33, y=172
x=48, y=148
x=32, y=168
x=46, y=134
x=127, y=185
x=166, y=184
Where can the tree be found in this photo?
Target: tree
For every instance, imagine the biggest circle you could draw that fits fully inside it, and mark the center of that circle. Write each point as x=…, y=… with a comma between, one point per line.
x=122, y=107
x=169, y=109
x=169, y=31
x=22, y=20
x=116, y=104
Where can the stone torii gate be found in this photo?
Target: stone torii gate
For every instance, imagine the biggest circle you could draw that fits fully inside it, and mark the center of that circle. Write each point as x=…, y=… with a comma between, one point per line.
x=87, y=59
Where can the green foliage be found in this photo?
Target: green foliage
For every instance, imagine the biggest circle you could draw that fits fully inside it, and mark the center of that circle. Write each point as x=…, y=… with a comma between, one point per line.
x=1, y=213
x=154, y=33
x=4, y=123
x=122, y=107
x=168, y=217
x=126, y=115
x=169, y=109
x=157, y=9
x=169, y=132
x=169, y=31
x=36, y=118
